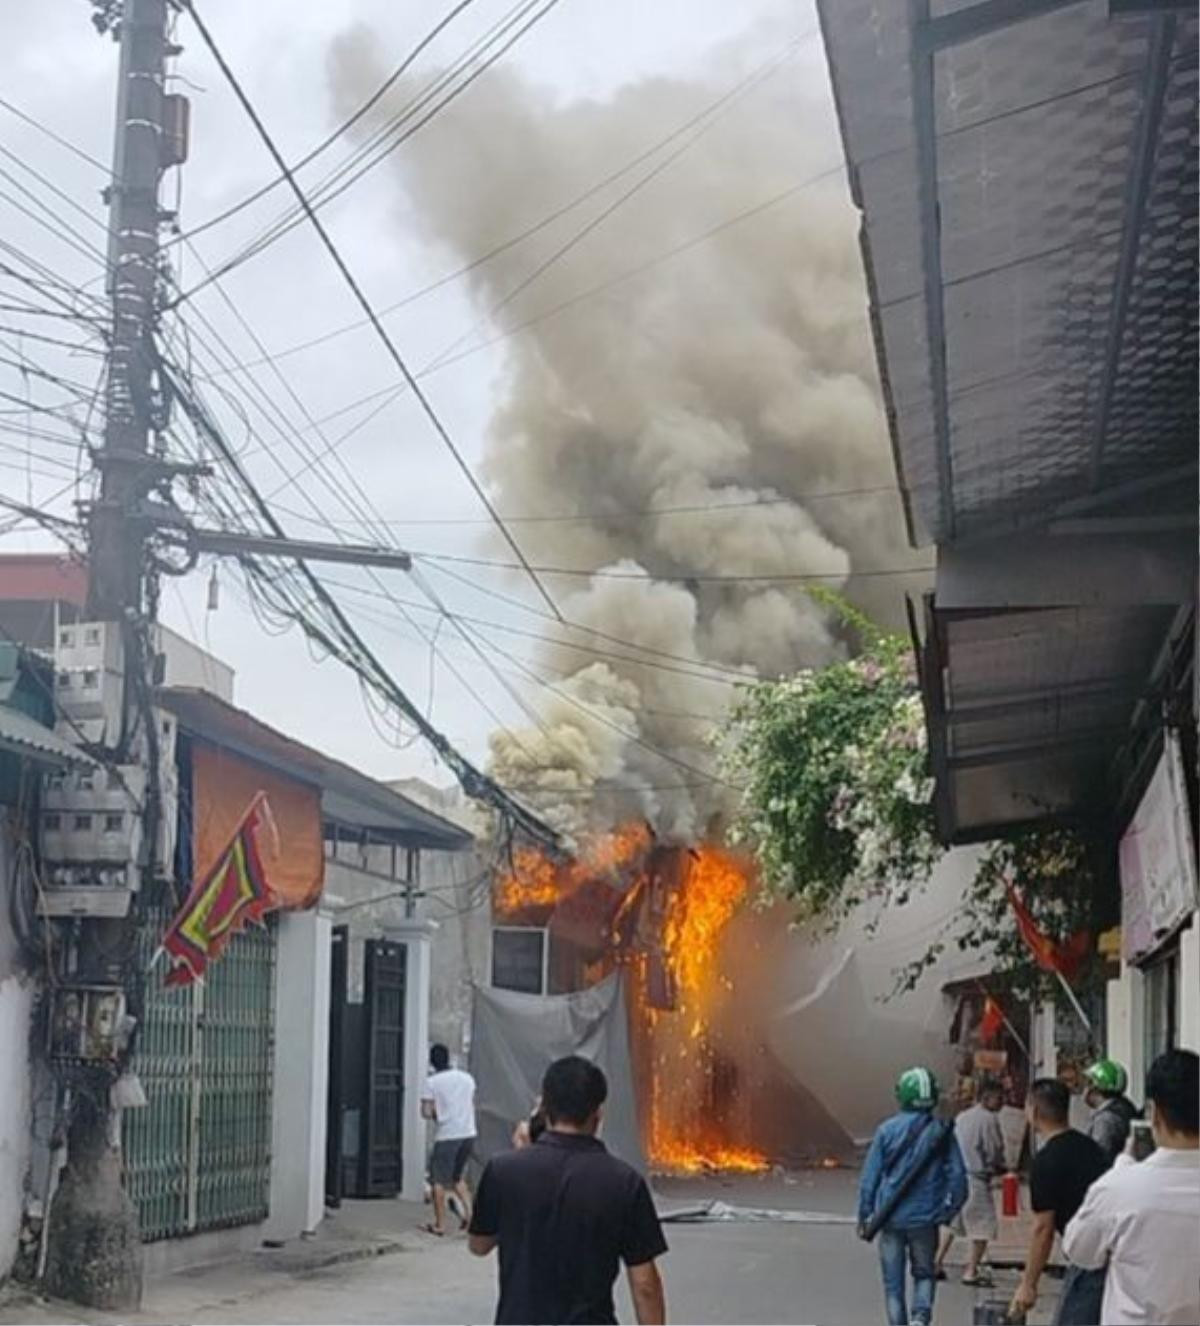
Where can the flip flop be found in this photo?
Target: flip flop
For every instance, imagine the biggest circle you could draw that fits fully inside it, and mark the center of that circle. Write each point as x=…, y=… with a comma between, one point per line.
x=980, y=1281
x=433, y=1229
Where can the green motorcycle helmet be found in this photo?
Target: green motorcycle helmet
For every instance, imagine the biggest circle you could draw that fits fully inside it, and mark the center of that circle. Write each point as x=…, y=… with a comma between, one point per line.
x=917, y=1089
x=1108, y=1076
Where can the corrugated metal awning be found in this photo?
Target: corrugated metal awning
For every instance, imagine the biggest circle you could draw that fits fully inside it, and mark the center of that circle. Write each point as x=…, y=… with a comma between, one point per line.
x=1028, y=179
x=26, y=737
x=1027, y=174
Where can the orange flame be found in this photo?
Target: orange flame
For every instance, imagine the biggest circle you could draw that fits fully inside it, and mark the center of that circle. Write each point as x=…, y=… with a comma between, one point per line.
x=536, y=880
x=683, y=1134
x=687, y=1118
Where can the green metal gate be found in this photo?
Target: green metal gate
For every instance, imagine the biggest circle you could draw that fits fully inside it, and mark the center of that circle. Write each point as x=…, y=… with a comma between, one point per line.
x=198, y=1156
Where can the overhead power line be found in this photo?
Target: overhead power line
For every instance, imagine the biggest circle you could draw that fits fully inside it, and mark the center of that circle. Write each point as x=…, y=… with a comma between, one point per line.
x=702, y=577
x=364, y=303
x=342, y=129
x=612, y=515
x=348, y=645
x=557, y=213
x=329, y=189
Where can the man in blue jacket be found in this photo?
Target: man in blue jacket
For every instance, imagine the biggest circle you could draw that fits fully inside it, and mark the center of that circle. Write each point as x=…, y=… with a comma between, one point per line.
x=913, y=1182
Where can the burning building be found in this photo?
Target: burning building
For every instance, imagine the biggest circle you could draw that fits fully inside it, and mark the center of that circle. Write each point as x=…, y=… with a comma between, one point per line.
x=711, y=1094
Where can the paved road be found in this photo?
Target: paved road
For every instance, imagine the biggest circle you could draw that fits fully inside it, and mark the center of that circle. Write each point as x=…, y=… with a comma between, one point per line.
x=721, y=1272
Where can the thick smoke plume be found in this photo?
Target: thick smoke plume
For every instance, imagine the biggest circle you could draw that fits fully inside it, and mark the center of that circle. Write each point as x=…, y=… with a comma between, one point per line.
x=739, y=371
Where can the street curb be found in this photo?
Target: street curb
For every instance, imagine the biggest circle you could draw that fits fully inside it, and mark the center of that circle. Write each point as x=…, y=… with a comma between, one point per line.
x=323, y=1261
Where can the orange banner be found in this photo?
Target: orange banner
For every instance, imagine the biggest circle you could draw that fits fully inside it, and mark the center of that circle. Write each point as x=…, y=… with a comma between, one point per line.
x=223, y=784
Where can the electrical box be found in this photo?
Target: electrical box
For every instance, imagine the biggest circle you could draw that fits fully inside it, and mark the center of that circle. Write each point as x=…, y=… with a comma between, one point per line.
x=89, y=685
x=96, y=645
x=177, y=119
x=87, y=1024
x=91, y=840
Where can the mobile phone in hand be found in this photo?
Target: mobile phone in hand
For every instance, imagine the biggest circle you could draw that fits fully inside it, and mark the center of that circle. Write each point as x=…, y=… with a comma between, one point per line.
x=1141, y=1138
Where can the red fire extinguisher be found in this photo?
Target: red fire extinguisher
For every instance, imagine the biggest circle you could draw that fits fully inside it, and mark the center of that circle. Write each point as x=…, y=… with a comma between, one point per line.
x=1010, y=1194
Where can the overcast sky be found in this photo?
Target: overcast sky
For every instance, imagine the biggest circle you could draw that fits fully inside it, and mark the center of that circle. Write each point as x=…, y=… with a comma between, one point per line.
x=56, y=70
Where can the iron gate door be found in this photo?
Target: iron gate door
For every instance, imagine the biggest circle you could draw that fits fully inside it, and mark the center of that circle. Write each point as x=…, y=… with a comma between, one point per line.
x=198, y=1156
x=382, y=1148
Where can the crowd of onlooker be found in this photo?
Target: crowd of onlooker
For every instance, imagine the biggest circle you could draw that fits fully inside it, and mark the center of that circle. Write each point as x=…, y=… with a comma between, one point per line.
x=1123, y=1196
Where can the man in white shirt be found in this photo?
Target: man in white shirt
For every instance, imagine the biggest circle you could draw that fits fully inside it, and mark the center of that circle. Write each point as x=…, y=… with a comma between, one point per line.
x=1142, y=1218
x=449, y=1100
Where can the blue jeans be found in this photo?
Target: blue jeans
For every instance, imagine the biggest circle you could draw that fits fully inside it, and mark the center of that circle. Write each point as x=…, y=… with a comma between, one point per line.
x=1082, y=1294
x=897, y=1249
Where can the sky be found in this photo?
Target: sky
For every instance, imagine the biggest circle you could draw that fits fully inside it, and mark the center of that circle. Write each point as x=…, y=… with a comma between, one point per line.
x=58, y=72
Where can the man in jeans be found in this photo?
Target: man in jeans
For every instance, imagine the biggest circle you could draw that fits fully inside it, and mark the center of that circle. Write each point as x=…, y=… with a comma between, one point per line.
x=1064, y=1167
x=913, y=1182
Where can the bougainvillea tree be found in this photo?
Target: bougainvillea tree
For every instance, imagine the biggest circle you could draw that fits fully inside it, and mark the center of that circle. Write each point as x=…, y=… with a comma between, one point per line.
x=836, y=806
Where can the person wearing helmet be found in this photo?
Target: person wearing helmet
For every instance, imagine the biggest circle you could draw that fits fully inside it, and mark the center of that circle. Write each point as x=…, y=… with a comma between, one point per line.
x=913, y=1182
x=1114, y=1112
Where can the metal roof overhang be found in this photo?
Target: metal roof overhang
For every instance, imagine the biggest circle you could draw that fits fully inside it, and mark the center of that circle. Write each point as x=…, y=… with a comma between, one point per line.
x=348, y=797
x=1027, y=174
x=25, y=737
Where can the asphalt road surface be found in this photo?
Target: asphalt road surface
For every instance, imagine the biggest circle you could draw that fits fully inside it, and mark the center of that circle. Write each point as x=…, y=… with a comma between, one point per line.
x=716, y=1272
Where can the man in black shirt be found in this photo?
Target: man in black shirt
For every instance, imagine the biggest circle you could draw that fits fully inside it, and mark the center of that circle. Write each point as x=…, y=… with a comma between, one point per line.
x=1066, y=1165
x=565, y=1214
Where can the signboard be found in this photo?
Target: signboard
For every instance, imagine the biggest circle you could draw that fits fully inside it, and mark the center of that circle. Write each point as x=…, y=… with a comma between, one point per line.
x=1158, y=862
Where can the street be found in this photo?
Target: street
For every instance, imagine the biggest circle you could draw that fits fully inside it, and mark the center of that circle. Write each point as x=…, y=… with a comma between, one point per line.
x=715, y=1272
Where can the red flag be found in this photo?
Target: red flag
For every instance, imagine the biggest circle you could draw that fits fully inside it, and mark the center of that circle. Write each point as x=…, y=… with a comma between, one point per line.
x=233, y=893
x=992, y=1020
x=1065, y=958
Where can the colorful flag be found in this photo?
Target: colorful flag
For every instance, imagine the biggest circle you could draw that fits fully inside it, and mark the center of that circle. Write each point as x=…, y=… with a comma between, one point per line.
x=991, y=1022
x=233, y=893
x=1065, y=958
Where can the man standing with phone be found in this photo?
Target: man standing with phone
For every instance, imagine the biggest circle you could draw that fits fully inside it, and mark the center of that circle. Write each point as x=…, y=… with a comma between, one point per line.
x=1142, y=1217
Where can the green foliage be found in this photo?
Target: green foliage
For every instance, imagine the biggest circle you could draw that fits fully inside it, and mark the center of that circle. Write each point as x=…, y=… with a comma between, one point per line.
x=837, y=810
x=836, y=805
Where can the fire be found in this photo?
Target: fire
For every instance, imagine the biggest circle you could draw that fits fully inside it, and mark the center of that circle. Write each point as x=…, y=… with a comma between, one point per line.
x=690, y=1128
x=674, y=908
x=537, y=881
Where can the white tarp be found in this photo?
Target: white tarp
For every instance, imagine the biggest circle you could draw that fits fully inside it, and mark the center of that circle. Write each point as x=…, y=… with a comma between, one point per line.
x=1158, y=864
x=515, y=1037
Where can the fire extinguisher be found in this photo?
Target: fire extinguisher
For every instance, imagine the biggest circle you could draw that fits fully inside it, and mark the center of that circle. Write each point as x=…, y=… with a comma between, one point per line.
x=1010, y=1194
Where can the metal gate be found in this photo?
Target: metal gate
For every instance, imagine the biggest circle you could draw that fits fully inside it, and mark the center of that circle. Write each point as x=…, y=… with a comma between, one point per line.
x=384, y=1115
x=198, y=1156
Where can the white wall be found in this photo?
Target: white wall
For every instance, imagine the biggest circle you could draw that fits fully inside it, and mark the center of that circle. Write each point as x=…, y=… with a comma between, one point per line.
x=16, y=1006
x=299, y=1112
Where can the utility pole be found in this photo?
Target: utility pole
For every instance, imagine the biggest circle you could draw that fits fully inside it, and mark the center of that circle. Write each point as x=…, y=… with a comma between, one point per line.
x=93, y=1251
x=117, y=540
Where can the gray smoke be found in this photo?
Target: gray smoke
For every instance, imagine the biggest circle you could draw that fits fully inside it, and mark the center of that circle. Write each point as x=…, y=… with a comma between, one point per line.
x=739, y=371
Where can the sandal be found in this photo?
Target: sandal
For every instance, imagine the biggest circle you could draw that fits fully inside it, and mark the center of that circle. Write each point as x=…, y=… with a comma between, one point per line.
x=980, y=1280
x=427, y=1228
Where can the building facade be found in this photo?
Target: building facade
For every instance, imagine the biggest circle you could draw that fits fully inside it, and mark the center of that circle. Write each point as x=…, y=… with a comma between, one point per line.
x=1027, y=180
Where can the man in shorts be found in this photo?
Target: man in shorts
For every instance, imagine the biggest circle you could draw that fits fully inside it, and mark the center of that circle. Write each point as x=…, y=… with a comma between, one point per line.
x=981, y=1141
x=449, y=1100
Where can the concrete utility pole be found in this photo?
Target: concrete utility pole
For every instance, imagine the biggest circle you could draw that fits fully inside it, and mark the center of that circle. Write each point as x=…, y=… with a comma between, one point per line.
x=116, y=541
x=94, y=1253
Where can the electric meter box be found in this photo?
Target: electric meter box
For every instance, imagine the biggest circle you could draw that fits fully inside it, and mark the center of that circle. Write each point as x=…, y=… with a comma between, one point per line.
x=96, y=645
x=86, y=1024
x=93, y=815
x=89, y=680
